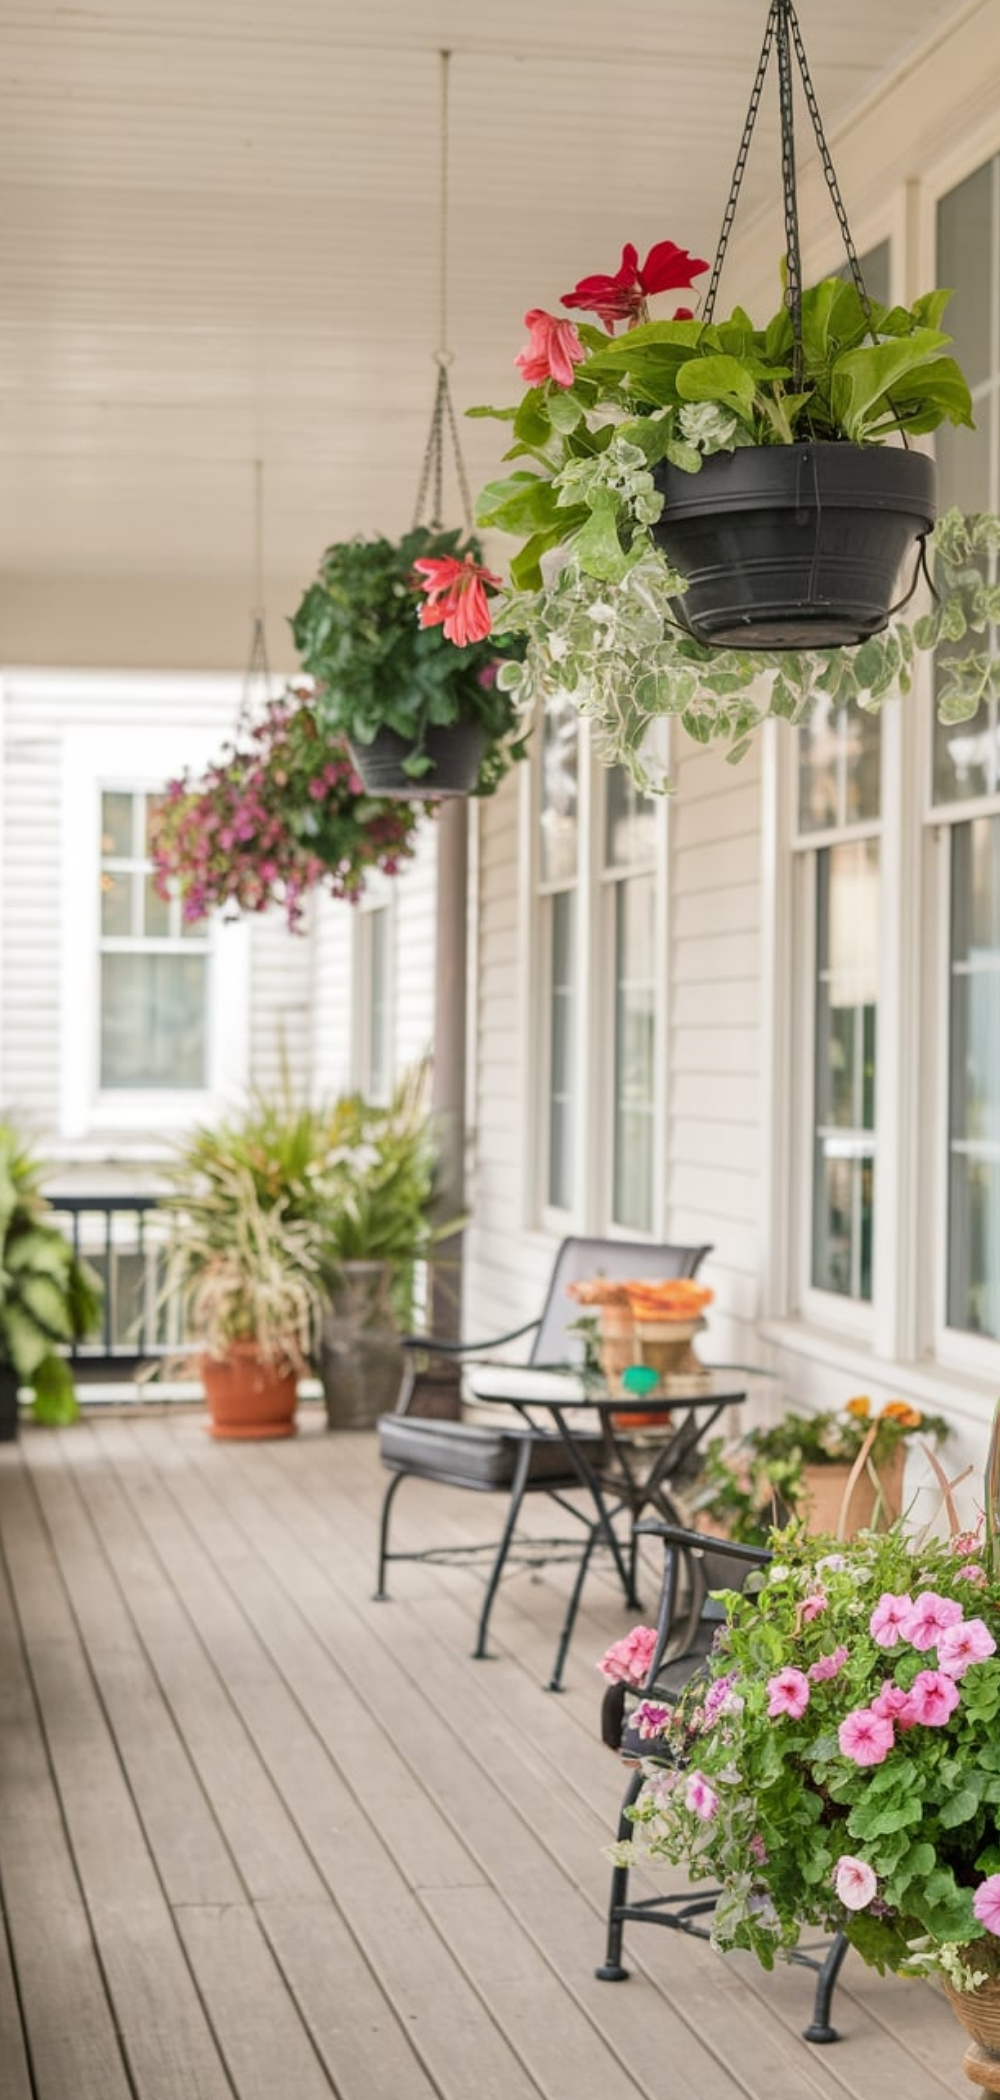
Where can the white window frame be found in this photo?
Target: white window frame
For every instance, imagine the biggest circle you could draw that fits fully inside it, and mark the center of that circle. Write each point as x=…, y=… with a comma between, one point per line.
x=375, y=901
x=133, y=760
x=609, y=881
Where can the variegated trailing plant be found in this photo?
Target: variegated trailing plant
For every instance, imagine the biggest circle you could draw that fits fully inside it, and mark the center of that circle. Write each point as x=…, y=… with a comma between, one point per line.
x=594, y=602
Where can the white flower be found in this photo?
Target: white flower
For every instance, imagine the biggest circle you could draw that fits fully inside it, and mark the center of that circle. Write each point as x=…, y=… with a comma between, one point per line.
x=855, y=1882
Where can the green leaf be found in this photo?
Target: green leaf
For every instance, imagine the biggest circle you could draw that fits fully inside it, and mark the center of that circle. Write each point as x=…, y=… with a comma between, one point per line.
x=597, y=546
x=564, y=411
x=523, y=502
x=717, y=379
x=861, y=379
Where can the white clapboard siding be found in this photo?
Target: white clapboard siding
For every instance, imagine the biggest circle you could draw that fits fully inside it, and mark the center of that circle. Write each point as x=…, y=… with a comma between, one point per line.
x=281, y=995
x=415, y=893
x=332, y=1002
x=714, y=1021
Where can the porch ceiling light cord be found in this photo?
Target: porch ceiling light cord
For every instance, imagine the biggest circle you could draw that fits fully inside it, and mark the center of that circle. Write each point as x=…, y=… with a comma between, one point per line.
x=442, y=413
x=782, y=31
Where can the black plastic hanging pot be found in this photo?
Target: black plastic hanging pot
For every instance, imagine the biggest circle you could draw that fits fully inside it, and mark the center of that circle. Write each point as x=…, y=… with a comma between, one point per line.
x=794, y=546
x=455, y=750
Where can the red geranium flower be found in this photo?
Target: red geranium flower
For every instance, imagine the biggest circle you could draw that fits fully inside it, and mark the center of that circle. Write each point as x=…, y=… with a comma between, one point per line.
x=456, y=598
x=552, y=351
x=623, y=297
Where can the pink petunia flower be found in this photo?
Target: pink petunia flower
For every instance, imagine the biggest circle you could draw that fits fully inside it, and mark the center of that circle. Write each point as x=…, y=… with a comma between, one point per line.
x=928, y=1618
x=933, y=1698
x=969, y=1642
x=813, y=1606
x=701, y=1797
x=627, y=1661
x=552, y=349
x=827, y=1666
x=865, y=1737
x=788, y=1693
x=888, y=1619
x=623, y=297
x=855, y=1882
x=986, y=1903
x=650, y=1719
x=893, y=1704
x=757, y=1849
x=973, y=1573
x=456, y=598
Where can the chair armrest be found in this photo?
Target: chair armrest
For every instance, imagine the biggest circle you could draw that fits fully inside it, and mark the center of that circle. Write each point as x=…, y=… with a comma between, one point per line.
x=676, y=1535
x=436, y=1346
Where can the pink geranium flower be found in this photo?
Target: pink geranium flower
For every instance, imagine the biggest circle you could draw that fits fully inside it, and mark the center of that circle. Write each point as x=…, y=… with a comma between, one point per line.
x=855, y=1882
x=827, y=1666
x=627, y=1661
x=456, y=598
x=969, y=1642
x=933, y=1698
x=986, y=1903
x=788, y=1693
x=928, y=1618
x=623, y=297
x=701, y=1797
x=888, y=1619
x=865, y=1736
x=552, y=349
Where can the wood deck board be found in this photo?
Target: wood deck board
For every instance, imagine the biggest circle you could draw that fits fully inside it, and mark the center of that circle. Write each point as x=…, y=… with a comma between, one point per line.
x=261, y=1836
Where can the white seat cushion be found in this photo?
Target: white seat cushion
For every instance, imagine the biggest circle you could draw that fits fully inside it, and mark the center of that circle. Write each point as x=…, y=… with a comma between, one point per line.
x=485, y=1381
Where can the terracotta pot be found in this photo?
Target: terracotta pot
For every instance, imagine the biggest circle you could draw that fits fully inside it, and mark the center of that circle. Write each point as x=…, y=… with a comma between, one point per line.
x=823, y=1505
x=617, y=1347
x=248, y=1398
x=979, y=2013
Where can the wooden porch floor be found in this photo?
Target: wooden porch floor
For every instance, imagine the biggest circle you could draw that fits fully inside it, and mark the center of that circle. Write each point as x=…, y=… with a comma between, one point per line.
x=261, y=1837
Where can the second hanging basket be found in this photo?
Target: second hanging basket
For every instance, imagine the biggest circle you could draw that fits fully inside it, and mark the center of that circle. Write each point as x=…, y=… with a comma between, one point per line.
x=794, y=546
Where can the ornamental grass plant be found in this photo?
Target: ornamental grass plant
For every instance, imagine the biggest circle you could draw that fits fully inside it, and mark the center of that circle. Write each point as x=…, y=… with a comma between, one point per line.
x=837, y=1762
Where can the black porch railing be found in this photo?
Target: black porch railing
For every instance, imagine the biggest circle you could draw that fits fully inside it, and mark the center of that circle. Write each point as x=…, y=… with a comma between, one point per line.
x=124, y=1238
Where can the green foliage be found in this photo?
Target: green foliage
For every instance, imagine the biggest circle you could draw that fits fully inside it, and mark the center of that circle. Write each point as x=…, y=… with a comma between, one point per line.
x=758, y=1781
x=47, y=1296
x=357, y=632
x=758, y=1482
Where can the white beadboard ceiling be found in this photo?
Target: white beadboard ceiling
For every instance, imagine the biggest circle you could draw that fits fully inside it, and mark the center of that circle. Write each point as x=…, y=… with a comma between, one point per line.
x=219, y=242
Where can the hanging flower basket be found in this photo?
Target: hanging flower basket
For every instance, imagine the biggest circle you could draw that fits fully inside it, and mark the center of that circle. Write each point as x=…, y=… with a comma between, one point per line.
x=455, y=753
x=794, y=546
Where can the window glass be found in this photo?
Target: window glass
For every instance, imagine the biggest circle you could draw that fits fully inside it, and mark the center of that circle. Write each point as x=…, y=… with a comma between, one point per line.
x=847, y=921
x=153, y=1018
x=973, y=1281
x=966, y=239
x=634, y=1054
x=559, y=792
x=630, y=839
x=560, y=1175
x=840, y=767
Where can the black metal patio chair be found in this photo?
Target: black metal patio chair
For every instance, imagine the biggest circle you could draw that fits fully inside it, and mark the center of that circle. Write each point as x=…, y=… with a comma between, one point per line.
x=512, y=1456
x=687, y=1622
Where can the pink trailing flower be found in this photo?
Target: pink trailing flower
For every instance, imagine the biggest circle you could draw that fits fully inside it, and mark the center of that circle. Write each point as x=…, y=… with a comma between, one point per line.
x=827, y=1666
x=933, y=1698
x=929, y=1618
x=456, y=597
x=552, y=349
x=814, y=1604
x=701, y=1797
x=757, y=1849
x=964, y=1543
x=650, y=1719
x=986, y=1903
x=721, y=1698
x=788, y=1693
x=623, y=297
x=865, y=1737
x=893, y=1704
x=888, y=1619
x=855, y=1882
x=972, y=1572
x=969, y=1642
x=627, y=1661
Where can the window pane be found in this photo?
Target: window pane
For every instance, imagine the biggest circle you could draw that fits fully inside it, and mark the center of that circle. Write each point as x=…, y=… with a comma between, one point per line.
x=630, y=838
x=153, y=1020
x=840, y=767
x=157, y=925
x=560, y=748
x=847, y=919
x=967, y=757
x=966, y=242
x=116, y=903
x=635, y=1011
x=116, y=825
x=560, y=1179
x=974, y=1108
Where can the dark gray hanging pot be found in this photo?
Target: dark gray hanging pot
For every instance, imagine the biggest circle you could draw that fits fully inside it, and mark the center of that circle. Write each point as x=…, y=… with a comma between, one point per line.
x=456, y=753
x=795, y=546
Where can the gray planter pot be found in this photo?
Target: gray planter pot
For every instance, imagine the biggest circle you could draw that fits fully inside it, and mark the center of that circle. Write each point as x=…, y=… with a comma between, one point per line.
x=360, y=1360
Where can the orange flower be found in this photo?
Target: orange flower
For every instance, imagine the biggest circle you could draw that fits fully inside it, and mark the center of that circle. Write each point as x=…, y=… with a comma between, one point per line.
x=860, y=1406
x=900, y=1411
x=673, y=1298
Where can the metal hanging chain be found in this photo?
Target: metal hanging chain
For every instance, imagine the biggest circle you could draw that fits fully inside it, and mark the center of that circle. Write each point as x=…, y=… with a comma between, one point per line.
x=782, y=24
x=258, y=670
x=443, y=421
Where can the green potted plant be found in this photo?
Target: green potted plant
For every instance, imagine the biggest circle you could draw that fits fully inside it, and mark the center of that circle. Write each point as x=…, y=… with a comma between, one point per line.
x=249, y=1278
x=280, y=813
x=685, y=489
x=410, y=682
x=48, y=1297
x=839, y=1471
